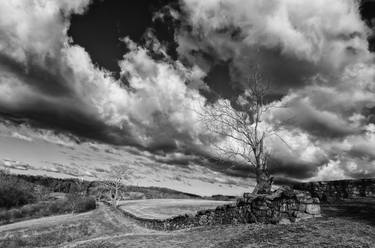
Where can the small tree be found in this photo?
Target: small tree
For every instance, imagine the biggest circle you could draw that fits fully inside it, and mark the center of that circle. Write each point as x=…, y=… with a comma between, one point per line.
x=42, y=193
x=240, y=123
x=76, y=193
x=115, y=182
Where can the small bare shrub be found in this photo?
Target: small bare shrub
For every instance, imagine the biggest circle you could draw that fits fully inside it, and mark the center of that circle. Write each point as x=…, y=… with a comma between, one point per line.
x=85, y=204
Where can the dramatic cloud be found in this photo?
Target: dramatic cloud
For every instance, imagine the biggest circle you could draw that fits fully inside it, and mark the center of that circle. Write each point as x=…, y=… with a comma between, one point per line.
x=315, y=54
x=44, y=76
x=162, y=103
x=291, y=40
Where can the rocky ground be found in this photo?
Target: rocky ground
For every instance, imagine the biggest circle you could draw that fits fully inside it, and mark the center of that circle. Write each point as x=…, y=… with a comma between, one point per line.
x=344, y=224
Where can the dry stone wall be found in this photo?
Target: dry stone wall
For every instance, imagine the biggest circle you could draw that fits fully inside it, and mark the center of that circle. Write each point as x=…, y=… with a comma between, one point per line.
x=283, y=206
x=332, y=190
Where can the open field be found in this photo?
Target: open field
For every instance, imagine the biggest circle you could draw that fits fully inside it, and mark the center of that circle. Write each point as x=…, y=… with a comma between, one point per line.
x=166, y=208
x=105, y=227
x=361, y=209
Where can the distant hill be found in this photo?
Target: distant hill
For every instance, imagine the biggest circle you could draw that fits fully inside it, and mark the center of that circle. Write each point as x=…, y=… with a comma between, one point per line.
x=92, y=187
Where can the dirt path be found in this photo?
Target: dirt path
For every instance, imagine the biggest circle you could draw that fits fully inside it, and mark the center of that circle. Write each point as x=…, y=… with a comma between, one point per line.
x=70, y=228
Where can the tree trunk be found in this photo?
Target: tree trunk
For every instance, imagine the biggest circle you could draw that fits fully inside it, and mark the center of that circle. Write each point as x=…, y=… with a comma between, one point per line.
x=116, y=196
x=264, y=182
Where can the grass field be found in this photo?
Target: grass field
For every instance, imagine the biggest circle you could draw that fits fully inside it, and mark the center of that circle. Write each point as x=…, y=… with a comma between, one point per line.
x=166, y=208
x=105, y=227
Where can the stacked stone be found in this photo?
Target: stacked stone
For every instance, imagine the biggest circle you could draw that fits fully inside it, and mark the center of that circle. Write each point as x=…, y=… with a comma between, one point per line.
x=340, y=189
x=283, y=206
x=370, y=190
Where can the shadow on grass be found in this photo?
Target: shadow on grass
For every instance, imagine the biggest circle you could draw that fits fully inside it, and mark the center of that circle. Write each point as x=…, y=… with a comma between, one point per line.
x=360, y=209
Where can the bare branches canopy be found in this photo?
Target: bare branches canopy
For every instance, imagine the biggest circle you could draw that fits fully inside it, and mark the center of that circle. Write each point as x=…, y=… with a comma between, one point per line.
x=240, y=123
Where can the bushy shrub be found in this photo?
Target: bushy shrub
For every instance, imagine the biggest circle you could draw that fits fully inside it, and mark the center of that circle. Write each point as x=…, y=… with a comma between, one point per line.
x=56, y=207
x=14, y=196
x=15, y=213
x=14, y=192
x=47, y=208
x=85, y=204
x=20, y=198
x=4, y=217
x=30, y=209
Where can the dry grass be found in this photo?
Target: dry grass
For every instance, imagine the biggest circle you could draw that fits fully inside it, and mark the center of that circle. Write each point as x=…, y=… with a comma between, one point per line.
x=50, y=237
x=166, y=208
x=47, y=208
x=321, y=233
x=105, y=228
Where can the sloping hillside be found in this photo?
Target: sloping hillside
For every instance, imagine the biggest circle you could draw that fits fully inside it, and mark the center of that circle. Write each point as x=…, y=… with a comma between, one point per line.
x=106, y=228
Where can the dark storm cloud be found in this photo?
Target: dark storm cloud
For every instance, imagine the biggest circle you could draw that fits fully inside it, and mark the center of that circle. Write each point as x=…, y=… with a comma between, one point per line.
x=282, y=169
x=286, y=51
x=185, y=159
x=313, y=67
x=219, y=81
x=299, y=112
x=61, y=113
x=293, y=169
x=230, y=77
x=68, y=119
x=54, y=83
x=39, y=78
x=362, y=153
x=370, y=114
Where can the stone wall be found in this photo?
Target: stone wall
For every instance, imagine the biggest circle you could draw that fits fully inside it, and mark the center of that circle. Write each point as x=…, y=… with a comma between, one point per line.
x=332, y=190
x=283, y=206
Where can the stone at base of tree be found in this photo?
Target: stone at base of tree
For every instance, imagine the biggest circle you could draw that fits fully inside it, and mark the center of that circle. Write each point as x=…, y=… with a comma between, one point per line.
x=313, y=209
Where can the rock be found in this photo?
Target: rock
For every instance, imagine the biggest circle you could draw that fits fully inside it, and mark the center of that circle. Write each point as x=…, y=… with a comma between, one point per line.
x=307, y=200
x=302, y=207
x=288, y=193
x=203, y=220
x=247, y=195
x=260, y=213
x=284, y=221
x=276, y=194
x=303, y=216
x=261, y=207
x=333, y=190
x=313, y=209
x=316, y=200
x=240, y=201
x=292, y=206
x=284, y=208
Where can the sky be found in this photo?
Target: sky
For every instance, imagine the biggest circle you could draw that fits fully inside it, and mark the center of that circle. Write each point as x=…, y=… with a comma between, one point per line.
x=135, y=76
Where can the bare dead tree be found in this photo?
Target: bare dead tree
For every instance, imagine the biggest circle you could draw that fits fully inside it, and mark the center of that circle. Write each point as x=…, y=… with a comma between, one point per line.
x=115, y=183
x=240, y=123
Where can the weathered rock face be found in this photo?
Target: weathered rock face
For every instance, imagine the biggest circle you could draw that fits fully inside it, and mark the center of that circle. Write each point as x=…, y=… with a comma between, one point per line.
x=283, y=206
x=332, y=190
